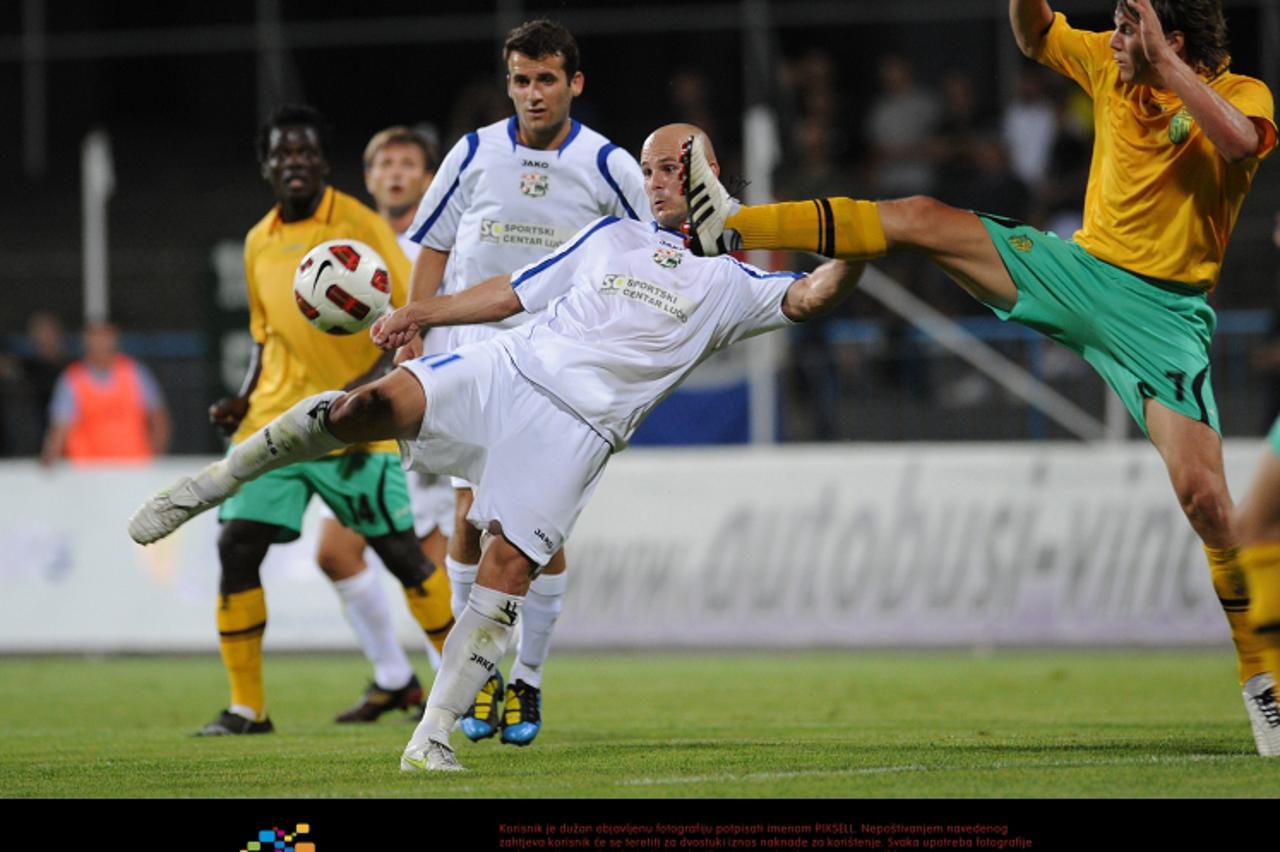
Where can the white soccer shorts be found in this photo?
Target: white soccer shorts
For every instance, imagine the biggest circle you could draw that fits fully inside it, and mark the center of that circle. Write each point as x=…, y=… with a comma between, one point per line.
x=533, y=462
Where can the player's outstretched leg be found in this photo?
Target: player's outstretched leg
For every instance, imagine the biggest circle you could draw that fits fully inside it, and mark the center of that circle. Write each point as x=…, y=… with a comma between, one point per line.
x=297, y=435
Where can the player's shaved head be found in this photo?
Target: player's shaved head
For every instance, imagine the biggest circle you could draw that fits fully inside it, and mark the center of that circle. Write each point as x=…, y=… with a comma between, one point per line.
x=677, y=134
x=661, y=165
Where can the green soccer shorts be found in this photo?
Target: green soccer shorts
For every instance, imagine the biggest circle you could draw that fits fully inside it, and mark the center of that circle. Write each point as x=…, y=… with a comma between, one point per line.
x=1148, y=339
x=367, y=492
x=1273, y=437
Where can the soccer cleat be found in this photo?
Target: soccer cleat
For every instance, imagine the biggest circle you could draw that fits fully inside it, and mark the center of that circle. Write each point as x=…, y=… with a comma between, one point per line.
x=435, y=756
x=522, y=714
x=377, y=701
x=1264, y=713
x=485, y=715
x=231, y=724
x=182, y=501
x=709, y=203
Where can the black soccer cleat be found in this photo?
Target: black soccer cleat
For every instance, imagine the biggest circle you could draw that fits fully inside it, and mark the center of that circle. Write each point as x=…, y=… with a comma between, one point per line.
x=233, y=724
x=377, y=701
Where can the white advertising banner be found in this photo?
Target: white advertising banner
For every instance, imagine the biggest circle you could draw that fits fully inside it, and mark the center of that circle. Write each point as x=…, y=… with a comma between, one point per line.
x=901, y=545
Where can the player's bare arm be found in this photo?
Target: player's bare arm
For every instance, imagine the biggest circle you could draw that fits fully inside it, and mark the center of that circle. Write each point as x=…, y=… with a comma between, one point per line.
x=424, y=282
x=1030, y=20
x=822, y=290
x=489, y=301
x=1232, y=132
x=227, y=412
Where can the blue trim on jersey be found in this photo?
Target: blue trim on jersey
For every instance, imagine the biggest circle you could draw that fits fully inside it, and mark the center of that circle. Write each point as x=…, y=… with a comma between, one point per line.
x=574, y=129
x=672, y=231
x=511, y=132
x=561, y=255
x=602, y=162
x=473, y=144
x=446, y=360
x=756, y=273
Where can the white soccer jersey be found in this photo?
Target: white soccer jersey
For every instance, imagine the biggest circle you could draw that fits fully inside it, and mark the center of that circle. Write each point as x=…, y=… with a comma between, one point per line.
x=496, y=205
x=629, y=313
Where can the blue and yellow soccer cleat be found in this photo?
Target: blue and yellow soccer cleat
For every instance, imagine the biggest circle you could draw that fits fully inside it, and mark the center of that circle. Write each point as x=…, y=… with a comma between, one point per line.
x=522, y=714
x=485, y=715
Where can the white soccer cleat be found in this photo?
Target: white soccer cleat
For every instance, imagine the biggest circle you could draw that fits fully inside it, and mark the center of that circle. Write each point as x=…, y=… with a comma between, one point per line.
x=1264, y=713
x=709, y=203
x=435, y=756
x=182, y=501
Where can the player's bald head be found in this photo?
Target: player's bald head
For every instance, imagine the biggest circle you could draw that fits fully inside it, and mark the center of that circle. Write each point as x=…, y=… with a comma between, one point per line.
x=662, y=166
x=672, y=136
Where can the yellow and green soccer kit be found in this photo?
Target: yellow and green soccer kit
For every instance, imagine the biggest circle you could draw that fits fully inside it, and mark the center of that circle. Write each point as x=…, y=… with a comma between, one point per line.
x=299, y=361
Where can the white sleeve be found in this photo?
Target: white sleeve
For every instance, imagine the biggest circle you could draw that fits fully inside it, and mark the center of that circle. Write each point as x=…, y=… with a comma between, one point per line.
x=625, y=197
x=436, y=223
x=754, y=301
x=539, y=283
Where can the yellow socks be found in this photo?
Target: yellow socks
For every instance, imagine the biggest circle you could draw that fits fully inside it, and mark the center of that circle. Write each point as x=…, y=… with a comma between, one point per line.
x=242, y=619
x=835, y=227
x=1261, y=564
x=429, y=603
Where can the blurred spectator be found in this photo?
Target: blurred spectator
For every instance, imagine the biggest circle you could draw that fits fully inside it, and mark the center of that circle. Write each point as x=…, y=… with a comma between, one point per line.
x=477, y=104
x=43, y=364
x=1265, y=359
x=900, y=131
x=106, y=407
x=1030, y=125
x=1060, y=200
x=963, y=123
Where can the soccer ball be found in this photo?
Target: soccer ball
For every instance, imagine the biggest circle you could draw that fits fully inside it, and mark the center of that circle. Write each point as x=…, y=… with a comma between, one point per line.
x=342, y=286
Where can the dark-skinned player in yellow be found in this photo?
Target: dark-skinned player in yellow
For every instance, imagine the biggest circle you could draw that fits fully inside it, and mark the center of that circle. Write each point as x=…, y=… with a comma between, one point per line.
x=1178, y=138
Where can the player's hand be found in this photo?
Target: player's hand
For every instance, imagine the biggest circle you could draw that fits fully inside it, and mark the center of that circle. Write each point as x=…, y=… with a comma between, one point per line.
x=411, y=350
x=227, y=413
x=396, y=329
x=1143, y=15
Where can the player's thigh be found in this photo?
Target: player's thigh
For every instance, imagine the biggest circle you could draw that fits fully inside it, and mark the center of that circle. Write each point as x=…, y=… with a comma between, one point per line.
x=340, y=553
x=955, y=240
x=1258, y=515
x=391, y=407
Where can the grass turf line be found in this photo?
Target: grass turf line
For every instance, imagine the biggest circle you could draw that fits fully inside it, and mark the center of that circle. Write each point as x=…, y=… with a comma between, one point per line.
x=807, y=724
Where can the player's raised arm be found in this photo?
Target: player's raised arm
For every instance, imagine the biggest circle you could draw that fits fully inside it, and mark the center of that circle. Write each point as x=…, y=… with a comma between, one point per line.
x=820, y=291
x=1236, y=136
x=489, y=301
x=1030, y=19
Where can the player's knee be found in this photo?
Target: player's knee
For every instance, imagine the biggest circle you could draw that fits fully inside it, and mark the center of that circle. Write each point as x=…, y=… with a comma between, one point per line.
x=506, y=567
x=358, y=410
x=915, y=221
x=241, y=550
x=403, y=558
x=1204, y=498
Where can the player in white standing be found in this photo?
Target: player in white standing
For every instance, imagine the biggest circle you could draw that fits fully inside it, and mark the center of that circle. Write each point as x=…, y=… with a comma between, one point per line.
x=505, y=195
x=625, y=314
x=399, y=163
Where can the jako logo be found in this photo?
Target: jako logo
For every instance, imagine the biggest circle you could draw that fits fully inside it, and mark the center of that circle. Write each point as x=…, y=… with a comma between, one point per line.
x=534, y=164
x=275, y=839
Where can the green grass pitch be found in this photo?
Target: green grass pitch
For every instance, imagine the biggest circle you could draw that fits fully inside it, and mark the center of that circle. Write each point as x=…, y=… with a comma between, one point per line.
x=698, y=725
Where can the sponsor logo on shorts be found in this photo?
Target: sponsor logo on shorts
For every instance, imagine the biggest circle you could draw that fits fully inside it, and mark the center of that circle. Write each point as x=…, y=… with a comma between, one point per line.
x=546, y=540
x=534, y=184
x=522, y=234
x=1021, y=243
x=647, y=293
x=668, y=258
x=1180, y=127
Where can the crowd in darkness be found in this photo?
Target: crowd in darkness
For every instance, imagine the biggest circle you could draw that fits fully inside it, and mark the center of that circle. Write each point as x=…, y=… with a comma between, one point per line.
x=1025, y=159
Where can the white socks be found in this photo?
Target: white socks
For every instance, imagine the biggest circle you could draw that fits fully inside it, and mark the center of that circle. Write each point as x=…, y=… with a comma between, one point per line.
x=471, y=654
x=461, y=576
x=365, y=603
x=537, y=619
x=300, y=434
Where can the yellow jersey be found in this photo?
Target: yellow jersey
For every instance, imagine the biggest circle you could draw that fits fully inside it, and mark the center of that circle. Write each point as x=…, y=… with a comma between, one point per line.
x=297, y=359
x=1161, y=200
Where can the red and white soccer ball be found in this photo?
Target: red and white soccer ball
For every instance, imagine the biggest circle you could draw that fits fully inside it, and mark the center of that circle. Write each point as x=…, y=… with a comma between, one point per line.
x=342, y=286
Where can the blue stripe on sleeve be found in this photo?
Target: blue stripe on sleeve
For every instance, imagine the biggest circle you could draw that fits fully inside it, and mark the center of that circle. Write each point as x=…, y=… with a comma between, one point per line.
x=562, y=254
x=757, y=273
x=602, y=162
x=473, y=144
